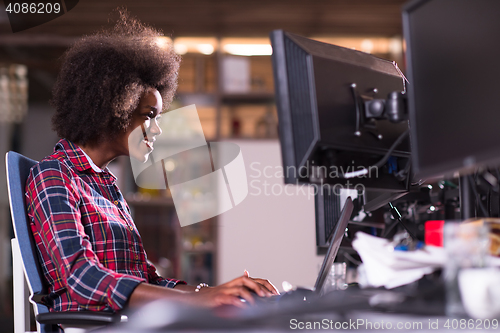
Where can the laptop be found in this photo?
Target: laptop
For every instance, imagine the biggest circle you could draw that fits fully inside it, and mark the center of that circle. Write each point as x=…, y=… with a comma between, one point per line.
x=334, y=241
x=333, y=248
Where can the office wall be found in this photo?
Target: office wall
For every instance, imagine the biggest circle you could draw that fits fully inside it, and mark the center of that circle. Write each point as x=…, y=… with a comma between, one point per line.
x=268, y=234
x=38, y=138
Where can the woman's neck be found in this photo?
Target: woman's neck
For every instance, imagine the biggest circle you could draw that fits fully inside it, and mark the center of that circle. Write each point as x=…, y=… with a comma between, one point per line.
x=101, y=154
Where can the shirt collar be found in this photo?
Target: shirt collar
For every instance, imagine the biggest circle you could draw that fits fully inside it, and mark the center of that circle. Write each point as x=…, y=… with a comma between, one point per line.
x=92, y=164
x=78, y=157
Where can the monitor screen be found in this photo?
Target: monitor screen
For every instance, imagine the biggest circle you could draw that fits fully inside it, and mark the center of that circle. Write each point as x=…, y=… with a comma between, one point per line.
x=453, y=69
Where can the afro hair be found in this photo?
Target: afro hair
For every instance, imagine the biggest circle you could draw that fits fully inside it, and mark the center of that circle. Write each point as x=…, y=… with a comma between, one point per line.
x=103, y=76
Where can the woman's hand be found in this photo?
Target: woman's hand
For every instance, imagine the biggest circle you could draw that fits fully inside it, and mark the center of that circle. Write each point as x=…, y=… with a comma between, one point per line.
x=270, y=289
x=232, y=292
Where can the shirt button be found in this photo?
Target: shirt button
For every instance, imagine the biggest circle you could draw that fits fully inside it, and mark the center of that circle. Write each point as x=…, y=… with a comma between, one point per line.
x=136, y=256
x=131, y=228
x=116, y=202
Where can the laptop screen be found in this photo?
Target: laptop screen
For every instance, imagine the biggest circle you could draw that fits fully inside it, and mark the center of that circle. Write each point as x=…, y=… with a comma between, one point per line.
x=335, y=241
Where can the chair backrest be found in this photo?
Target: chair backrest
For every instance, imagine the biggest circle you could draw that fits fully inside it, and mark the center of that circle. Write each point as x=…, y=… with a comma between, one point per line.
x=18, y=167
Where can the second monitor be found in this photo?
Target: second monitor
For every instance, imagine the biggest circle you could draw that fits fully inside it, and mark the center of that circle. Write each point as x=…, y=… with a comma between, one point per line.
x=331, y=124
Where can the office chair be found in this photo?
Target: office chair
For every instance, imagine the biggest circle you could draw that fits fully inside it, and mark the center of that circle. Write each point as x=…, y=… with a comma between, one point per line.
x=25, y=258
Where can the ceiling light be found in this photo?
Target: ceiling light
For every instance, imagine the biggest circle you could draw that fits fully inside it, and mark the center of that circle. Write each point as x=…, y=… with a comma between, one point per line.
x=205, y=48
x=367, y=46
x=248, y=49
x=396, y=46
x=180, y=48
x=203, y=45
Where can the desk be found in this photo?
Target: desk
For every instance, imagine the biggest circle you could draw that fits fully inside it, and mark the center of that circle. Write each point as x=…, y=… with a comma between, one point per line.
x=340, y=310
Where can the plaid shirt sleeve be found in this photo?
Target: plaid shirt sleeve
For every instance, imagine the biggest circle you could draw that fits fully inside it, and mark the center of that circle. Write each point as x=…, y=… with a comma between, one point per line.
x=53, y=206
x=154, y=278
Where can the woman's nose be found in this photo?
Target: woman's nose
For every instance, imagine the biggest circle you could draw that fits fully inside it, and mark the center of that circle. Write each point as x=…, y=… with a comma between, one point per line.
x=155, y=128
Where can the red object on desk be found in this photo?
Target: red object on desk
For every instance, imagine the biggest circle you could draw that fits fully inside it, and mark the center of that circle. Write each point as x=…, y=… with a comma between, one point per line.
x=434, y=233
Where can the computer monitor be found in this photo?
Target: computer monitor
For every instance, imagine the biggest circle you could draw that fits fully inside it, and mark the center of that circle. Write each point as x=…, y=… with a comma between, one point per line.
x=327, y=212
x=323, y=131
x=453, y=69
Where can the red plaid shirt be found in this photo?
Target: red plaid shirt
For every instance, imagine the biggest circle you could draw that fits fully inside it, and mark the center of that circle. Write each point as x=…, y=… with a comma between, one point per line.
x=91, y=252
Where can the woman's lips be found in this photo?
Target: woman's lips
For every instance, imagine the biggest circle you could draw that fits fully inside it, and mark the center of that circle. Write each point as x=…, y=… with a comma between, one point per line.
x=149, y=144
x=146, y=141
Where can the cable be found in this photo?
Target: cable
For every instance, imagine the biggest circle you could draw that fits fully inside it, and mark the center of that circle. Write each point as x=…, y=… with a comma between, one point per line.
x=401, y=174
x=395, y=213
x=478, y=197
x=380, y=163
x=388, y=230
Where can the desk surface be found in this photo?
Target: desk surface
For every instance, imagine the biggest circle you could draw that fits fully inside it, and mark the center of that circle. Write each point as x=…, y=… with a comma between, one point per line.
x=340, y=310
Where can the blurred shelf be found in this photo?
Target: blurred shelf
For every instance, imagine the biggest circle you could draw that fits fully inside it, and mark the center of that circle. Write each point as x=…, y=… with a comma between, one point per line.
x=248, y=98
x=197, y=98
x=135, y=200
x=198, y=251
x=209, y=99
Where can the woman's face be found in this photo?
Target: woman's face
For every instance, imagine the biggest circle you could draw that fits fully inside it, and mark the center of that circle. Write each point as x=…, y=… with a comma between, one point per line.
x=144, y=126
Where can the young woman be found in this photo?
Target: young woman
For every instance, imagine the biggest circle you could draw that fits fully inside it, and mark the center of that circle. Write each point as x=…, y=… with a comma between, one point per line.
x=92, y=255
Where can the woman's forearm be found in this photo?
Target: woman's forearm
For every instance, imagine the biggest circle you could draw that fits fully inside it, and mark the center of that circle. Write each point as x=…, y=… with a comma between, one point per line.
x=145, y=293
x=184, y=287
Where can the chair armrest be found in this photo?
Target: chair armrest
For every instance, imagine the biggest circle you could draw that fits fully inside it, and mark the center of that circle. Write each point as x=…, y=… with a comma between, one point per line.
x=78, y=318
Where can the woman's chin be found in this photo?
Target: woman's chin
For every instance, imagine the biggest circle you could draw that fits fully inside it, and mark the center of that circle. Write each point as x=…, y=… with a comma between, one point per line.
x=140, y=157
